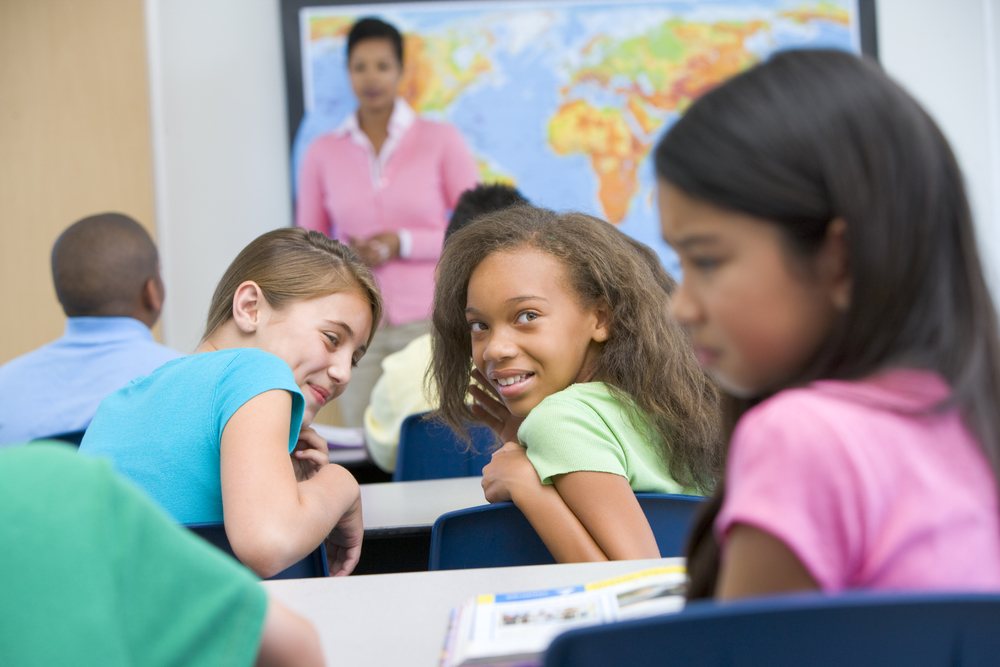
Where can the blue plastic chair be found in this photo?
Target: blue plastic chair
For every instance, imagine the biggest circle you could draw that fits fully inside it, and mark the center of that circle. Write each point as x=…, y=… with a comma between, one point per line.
x=73, y=437
x=500, y=536
x=856, y=629
x=429, y=449
x=313, y=565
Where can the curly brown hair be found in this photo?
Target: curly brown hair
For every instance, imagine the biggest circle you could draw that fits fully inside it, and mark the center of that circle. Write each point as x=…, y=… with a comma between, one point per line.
x=647, y=359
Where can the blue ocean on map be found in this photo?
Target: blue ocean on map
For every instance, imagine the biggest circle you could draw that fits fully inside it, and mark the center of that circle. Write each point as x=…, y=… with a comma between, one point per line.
x=546, y=63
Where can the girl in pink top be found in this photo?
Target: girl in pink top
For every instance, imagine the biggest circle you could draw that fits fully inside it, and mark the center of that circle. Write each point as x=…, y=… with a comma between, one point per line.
x=384, y=182
x=833, y=288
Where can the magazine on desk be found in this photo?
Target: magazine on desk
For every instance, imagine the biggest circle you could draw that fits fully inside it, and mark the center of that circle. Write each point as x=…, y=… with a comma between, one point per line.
x=514, y=629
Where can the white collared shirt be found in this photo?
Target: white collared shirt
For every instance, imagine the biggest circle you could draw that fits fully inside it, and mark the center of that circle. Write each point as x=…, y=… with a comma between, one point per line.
x=400, y=120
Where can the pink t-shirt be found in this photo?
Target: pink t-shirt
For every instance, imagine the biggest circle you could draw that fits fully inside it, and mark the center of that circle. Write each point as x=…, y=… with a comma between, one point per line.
x=428, y=170
x=865, y=492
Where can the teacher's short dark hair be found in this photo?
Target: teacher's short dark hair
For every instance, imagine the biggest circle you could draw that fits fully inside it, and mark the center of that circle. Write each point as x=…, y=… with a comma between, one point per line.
x=373, y=28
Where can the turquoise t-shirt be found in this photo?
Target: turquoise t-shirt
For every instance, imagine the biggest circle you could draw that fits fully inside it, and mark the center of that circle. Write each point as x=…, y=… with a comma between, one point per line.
x=162, y=431
x=585, y=428
x=94, y=574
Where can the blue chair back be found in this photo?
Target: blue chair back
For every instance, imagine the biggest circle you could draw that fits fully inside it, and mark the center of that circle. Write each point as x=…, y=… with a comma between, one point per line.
x=857, y=629
x=500, y=536
x=73, y=437
x=429, y=449
x=313, y=565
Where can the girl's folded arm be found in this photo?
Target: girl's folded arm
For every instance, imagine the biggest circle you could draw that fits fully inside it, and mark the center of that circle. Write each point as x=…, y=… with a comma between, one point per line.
x=758, y=563
x=562, y=532
x=606, y=506
x=510, y=477
x=272, y=520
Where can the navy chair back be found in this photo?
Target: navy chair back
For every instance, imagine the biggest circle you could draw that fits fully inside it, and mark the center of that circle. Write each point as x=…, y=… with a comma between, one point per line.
x=500, y=536
x=73, y=437
x=859, y=629
x=313, y=565
x=429, y=449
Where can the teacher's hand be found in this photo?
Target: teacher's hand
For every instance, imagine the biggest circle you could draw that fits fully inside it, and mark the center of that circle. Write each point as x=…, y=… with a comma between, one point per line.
x=378, y=249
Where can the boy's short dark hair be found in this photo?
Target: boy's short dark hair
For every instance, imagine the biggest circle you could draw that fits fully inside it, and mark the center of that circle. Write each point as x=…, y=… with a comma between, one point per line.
x=373, y=28
x=480, y=200
x=100, y=265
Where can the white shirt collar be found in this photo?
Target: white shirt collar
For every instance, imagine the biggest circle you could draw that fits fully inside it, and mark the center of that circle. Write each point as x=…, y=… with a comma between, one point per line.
x=400, y=120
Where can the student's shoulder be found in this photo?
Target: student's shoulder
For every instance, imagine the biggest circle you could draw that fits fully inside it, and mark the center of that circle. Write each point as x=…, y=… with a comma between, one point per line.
x=585, y=393
x=804, y=424
x=51, y=468
x=40, y=357
x=258, y=361
x=582, y=400
x=828, y=402
x=227, y=359
x=233, y=363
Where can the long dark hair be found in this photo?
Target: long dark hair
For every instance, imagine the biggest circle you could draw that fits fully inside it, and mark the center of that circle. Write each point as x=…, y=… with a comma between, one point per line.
x=647, y=359
x=810, y=136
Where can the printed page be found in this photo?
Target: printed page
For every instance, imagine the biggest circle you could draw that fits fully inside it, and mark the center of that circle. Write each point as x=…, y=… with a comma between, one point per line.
x=516, y=628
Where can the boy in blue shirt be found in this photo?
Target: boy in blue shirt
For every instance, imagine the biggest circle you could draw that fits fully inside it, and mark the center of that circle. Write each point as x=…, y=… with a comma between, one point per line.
x=107, y=278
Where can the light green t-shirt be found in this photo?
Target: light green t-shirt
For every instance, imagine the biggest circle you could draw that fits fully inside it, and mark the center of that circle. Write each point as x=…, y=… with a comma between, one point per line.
x=585, y=428
x=93, y=573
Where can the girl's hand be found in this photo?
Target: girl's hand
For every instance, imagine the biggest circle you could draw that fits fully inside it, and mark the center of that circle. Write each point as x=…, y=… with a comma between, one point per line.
x=490, y=410
x=509, y=473
x=310, y=454
x=343, y=545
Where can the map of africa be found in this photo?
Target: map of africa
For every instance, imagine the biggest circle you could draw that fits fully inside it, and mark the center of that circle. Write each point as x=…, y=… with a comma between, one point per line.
x=565, y=99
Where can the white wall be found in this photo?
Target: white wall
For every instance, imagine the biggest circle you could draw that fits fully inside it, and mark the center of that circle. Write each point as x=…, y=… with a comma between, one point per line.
x=219, y=128
x=220, y=155
x=944, y=52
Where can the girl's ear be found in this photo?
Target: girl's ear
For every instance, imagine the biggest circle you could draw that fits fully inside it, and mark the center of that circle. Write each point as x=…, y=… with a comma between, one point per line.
x=602, y=328
x=248, y=305
x=836, y=264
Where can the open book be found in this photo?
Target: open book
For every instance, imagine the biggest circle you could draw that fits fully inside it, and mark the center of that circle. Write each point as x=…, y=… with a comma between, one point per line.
x=514, y=629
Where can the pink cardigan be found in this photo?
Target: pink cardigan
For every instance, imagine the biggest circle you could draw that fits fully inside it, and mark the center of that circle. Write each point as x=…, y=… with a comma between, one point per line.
x=421, y=183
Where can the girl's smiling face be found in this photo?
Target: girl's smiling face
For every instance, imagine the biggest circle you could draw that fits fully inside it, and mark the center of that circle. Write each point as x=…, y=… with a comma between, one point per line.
x=756, y=316
x=530, y=336
x=321, y=339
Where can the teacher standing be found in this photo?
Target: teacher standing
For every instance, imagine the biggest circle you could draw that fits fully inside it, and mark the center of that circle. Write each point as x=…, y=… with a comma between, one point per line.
x=384, y=182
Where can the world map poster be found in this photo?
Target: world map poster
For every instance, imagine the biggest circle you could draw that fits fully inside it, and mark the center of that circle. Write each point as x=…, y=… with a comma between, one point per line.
x=564, y=99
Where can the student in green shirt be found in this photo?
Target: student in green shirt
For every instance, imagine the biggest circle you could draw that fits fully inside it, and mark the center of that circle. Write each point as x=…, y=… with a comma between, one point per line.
x=593, y=388
x=93, y=573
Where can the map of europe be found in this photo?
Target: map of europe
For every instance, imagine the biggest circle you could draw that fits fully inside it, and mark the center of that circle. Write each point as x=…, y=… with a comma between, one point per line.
x=565, y=99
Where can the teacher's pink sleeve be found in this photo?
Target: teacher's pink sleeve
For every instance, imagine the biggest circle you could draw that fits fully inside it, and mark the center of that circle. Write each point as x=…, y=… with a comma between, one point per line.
x=458, y=174
x=309, y=210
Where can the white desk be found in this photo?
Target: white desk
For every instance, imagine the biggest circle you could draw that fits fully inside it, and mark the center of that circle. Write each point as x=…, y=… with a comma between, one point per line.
x=413, y=506
x=401, y=619
x=342, y=455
